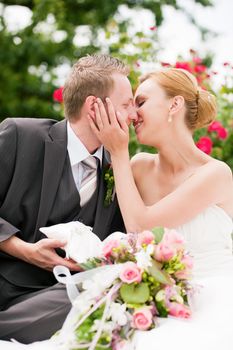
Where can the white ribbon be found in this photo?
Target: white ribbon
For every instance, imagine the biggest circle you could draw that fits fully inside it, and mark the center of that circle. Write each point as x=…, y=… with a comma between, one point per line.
x=106, y=274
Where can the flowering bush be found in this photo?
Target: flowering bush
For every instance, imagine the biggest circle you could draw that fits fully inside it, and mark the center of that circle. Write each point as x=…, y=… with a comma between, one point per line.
x=215, y=140
x=136, y=279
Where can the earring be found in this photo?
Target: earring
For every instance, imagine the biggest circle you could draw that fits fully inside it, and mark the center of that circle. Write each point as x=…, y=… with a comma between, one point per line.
x=169, y=118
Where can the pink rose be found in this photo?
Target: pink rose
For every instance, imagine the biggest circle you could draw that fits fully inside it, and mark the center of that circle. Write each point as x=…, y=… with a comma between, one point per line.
x=164, y=252
x=174, y=239
x=179, y=310
x=142, y=319
x=120, y=345
x=214, y=126
x=197, y=60
x=130, y=273
x=222, y=133
x=109, y=246
x=188, y=266
x=205, y=144
x=183, y=65
x=200, y=68
x=146, y=237
x=57, y=95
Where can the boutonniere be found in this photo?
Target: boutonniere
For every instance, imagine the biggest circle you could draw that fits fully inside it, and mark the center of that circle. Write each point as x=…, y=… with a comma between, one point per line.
x=110, y=186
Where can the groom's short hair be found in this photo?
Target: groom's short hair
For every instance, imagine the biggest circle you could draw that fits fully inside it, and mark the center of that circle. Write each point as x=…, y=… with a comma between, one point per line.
x=90, y=75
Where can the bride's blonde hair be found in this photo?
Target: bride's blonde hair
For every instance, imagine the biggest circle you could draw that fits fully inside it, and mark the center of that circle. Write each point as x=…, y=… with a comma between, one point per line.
x=201, y=107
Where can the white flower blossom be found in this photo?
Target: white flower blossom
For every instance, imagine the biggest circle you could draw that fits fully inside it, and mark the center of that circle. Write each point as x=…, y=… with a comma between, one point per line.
x=118, y=313
x=108, y=326
x=143, y=257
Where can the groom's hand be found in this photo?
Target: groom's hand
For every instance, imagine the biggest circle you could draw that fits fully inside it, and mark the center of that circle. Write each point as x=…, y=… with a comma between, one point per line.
x=44, y=255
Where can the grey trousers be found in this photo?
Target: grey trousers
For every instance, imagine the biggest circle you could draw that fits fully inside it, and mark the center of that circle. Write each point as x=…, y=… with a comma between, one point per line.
x=35, y=316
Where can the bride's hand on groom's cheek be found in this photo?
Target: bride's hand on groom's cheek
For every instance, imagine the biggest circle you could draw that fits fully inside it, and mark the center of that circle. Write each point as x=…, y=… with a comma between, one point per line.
x=109, y=126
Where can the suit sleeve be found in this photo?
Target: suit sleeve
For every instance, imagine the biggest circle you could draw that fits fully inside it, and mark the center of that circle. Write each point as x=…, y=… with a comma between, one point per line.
x=117, y=223
x=8, y=149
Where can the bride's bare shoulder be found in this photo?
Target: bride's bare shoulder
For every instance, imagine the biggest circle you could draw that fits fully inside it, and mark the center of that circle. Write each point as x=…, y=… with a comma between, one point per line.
x=217, y=166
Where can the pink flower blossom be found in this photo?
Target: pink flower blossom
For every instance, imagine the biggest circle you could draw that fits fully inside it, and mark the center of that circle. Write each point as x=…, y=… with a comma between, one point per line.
x=222, y=133
x=174, y=239
x=164, y=252
x=120, y=345
x=142, y=319
x=219, y=129
x=179, y=310
x=197, y=60
x=153, y=28
x=165, y=64
x=183, y=65
x=130, y=273
x=57, y=95
x=109, y=246
x=205, y=144
x=146, y=237
x=188, y=266
x=214, y=126
x=200, y=68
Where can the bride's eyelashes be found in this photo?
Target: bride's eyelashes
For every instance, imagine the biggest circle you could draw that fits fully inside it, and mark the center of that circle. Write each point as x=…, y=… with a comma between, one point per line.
x=140, y=103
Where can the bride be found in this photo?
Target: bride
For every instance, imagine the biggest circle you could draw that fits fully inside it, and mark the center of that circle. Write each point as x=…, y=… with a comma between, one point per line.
x=179, y=187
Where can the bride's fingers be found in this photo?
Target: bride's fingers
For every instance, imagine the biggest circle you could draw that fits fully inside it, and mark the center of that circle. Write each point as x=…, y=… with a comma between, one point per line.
x=111, y=112
x=103, y=113
x=98, y=118
x=94, y=127
x=122, y=122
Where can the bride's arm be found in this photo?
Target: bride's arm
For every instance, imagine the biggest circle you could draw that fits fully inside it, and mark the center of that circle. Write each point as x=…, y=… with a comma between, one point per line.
x=204, y=189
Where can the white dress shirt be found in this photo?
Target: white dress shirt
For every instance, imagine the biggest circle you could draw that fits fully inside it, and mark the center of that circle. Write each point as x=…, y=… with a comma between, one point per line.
x=77, y=153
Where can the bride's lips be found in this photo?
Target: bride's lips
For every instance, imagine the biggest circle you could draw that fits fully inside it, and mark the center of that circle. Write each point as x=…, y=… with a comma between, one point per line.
x=137, y=125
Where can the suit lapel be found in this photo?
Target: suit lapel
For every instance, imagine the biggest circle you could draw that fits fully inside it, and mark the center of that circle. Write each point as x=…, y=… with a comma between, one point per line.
x=54, y=159
x=103, y=214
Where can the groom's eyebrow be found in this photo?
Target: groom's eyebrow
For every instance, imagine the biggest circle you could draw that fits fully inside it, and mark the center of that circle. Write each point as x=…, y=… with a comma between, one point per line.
x=130, y=100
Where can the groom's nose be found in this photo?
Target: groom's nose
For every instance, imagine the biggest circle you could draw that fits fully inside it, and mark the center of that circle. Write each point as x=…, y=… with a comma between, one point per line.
x=132, y=114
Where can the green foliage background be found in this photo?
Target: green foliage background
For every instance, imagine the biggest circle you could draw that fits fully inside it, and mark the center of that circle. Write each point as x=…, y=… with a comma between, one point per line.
x=28, y=57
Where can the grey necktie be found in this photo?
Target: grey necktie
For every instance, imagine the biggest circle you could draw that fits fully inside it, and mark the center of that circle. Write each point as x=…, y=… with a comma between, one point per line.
x=89, y=180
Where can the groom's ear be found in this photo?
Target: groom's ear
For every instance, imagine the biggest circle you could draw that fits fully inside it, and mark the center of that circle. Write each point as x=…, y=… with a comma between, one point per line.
x=89, y=105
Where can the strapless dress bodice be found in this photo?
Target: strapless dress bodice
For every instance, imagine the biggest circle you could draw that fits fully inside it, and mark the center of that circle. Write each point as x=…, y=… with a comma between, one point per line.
x=208, y=238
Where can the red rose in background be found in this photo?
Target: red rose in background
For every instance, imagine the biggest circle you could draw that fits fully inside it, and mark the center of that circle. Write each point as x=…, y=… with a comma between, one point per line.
x=205, y=144
x=214, y=126
x=219, y=129
x=200, y=68
x=222, y=133
x=57, y=95
x=183, y=65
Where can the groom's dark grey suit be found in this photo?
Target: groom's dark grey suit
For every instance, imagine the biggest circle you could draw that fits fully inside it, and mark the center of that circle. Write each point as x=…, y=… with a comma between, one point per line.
x=37, y=189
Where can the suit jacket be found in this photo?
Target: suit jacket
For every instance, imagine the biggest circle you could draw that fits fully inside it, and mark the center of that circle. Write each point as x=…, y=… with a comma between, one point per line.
x=32, y=158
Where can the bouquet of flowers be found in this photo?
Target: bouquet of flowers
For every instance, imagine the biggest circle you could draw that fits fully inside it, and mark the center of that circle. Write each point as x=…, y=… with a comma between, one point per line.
x=131, y=281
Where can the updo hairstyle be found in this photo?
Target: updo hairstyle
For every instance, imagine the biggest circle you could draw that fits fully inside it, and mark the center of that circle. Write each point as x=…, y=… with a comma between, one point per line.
x=201, y=108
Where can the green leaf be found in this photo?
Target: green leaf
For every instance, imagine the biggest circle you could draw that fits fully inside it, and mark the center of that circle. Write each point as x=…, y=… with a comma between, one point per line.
x=159, y=275
x=161, y=309
x=135, y=293
x=158, y=233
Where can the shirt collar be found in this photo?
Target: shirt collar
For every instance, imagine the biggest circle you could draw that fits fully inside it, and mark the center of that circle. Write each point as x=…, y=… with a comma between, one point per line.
x=76, y=149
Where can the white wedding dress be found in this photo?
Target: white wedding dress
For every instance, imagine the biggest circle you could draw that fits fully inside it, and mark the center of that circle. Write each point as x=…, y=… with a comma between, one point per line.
x=208, y=239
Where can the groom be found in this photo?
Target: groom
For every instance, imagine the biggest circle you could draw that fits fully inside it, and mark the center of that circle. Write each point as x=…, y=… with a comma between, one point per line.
x=53, y=172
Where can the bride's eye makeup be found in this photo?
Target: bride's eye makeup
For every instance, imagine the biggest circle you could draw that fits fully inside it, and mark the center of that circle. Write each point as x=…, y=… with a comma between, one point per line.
x=139, y=101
